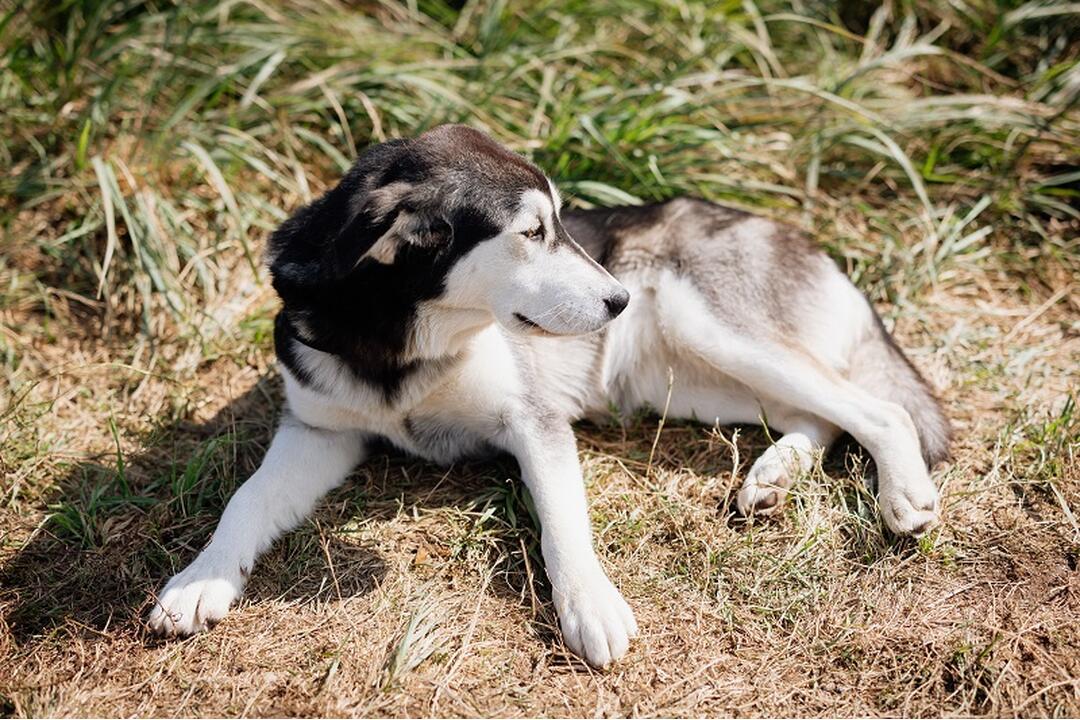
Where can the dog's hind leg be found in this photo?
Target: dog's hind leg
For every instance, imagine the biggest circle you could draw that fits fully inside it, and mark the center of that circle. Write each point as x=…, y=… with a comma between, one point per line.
x=302, y=464
x=794, y=454
x=785, y=373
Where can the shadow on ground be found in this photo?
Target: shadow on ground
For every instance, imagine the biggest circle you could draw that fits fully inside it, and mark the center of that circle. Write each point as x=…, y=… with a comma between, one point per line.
x=117, y=530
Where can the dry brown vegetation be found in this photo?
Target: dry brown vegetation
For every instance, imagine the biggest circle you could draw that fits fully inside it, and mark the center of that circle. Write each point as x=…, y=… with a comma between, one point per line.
x=127, y=417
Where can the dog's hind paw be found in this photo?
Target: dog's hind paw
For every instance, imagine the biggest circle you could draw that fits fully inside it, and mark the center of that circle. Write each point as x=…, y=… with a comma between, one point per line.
x=766, y=486
x=196, y=598
x=596, y=622
x=910, y=510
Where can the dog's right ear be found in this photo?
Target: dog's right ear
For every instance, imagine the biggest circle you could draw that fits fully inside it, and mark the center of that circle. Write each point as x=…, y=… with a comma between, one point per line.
x=326, y=240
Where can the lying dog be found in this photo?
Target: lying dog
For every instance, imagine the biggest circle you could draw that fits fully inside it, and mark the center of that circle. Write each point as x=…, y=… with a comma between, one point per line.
x=438, y=299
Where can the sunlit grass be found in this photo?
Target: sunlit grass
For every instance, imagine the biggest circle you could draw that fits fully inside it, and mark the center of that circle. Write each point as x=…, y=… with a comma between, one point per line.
x=161, y=142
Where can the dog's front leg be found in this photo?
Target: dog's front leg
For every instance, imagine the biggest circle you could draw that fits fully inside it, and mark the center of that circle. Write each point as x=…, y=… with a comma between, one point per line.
x=596, y=622
x=302, y=464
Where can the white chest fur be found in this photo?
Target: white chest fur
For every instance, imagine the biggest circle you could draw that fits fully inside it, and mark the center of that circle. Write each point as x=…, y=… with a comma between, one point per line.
x=442, y=415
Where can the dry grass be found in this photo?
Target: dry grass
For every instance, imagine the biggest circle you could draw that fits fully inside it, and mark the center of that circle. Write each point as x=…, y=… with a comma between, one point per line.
x=128, y=416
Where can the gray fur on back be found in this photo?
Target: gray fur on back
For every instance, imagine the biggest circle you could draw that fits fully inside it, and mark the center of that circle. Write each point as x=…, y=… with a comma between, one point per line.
x=753, y=271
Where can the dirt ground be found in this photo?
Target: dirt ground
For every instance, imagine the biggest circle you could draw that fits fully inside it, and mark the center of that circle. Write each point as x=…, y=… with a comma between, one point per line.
x=419, y=591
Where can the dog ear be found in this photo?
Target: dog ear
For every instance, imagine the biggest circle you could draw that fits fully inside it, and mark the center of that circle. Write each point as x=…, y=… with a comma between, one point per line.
x=410, y=228
x=367, y=215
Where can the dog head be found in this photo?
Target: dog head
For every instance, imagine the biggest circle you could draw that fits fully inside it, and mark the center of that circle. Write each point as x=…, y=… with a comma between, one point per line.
x=450, y=218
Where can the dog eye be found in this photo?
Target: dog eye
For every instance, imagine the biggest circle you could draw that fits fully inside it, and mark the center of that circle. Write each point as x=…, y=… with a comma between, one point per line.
x=534, y=233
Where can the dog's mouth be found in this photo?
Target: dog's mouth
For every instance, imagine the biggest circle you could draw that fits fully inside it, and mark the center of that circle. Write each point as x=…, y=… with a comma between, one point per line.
x=531, y=326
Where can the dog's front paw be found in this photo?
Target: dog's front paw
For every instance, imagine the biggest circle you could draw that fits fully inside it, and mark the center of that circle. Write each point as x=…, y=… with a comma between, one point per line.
x=909, y=508
x=196, y=597
x=596, y=622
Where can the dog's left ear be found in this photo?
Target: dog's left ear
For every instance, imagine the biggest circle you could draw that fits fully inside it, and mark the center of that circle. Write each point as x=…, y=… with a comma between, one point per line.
x=411, y=228
x=372, y=213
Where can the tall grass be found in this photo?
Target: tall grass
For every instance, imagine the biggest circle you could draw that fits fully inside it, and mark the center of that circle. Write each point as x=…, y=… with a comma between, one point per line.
x=151, y=145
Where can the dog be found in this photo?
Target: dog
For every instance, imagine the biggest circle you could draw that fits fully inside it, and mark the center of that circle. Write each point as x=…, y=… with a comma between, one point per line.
x=439, y=298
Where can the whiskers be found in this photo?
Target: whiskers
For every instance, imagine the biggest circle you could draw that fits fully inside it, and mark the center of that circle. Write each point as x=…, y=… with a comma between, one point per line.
x=565, y=316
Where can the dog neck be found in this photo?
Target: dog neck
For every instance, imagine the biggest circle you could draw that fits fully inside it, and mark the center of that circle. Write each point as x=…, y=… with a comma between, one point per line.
x=440, y=331
x=437, y=338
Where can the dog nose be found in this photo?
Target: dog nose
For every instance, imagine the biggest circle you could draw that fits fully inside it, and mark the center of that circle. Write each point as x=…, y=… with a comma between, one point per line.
x=617, y=302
